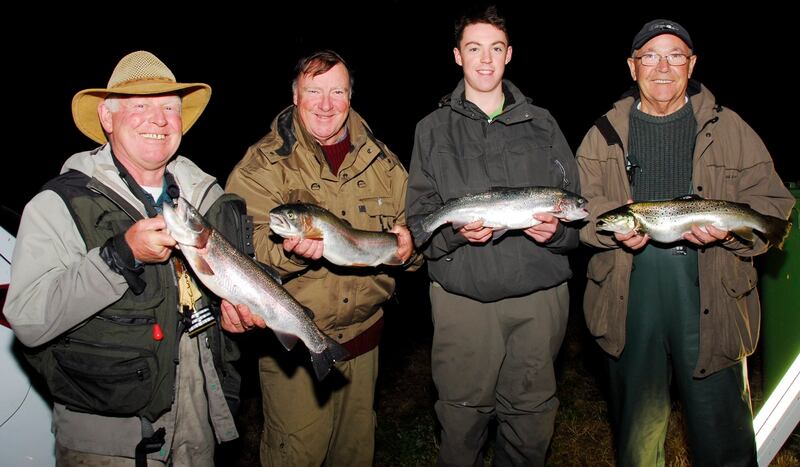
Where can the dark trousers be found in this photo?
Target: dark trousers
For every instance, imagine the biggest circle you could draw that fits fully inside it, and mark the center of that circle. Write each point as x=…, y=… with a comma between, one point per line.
x=496, y=360
x=661, y=346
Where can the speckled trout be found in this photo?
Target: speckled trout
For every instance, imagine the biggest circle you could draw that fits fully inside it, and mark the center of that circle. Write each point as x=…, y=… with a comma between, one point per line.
x=502, y=209
x=341, y=243
x=667, y=221
x=237, y=278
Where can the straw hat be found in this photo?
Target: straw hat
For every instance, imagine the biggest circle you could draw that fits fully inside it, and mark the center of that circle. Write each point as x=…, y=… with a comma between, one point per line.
x=139, y=73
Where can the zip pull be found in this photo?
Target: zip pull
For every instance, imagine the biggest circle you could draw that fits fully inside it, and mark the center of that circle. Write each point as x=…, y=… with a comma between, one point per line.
x=158, y=334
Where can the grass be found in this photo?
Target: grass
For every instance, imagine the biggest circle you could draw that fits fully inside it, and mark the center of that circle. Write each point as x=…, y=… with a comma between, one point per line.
x=407, y=433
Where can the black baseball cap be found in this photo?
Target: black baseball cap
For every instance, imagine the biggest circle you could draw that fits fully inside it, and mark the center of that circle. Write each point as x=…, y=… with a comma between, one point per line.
x=658, y=27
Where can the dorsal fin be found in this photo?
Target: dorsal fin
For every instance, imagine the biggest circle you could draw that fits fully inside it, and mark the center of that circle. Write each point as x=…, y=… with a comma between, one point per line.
x=690, y=197
x=271, y=272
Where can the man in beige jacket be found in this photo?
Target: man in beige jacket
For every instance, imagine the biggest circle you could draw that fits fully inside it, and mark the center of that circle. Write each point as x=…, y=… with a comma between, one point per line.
x=686, y=312
x=321, y=151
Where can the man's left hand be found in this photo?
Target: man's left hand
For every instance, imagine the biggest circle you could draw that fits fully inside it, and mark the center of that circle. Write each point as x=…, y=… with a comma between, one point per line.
x=238, y=319
x=405, y=246
x=706, y=234
x=542, y=233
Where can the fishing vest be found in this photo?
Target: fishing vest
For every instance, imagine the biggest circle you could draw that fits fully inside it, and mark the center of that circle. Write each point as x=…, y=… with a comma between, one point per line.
x=121, y=361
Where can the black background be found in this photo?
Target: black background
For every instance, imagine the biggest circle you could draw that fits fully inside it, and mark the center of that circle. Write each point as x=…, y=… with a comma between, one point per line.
x=568, y=58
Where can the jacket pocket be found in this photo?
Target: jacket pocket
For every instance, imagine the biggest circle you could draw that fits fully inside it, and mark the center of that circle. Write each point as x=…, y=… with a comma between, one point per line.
x=737, y=319
x=596, y=298
x=102, y=378
x=531, y=163
x=380, y=212
x=739, y=281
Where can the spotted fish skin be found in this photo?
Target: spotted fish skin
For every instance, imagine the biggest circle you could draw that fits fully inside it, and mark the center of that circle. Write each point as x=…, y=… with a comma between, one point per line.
x=667, y=221
x=234, y=276
x=342, y=244
x=501, y=209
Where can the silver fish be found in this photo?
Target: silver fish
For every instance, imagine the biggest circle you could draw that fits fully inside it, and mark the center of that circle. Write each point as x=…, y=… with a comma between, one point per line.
x=342, y=244
x=237, y=278
x=502, y=209
x=667, y=221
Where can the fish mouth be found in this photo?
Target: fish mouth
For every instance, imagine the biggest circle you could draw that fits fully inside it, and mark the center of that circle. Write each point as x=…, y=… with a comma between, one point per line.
x=280, y=225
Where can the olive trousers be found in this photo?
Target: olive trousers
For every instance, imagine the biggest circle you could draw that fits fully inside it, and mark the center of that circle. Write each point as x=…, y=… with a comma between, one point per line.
x=661, y=346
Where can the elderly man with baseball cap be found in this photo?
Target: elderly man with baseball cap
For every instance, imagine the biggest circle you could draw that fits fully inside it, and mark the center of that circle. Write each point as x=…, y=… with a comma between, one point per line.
x=128, y=344
x=685, y=312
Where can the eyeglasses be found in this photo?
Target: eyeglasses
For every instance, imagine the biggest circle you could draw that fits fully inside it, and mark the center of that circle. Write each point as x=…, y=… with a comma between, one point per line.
x=655, y=59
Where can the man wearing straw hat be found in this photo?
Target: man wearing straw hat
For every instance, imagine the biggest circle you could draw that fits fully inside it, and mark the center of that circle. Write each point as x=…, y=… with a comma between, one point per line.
x=130, y=348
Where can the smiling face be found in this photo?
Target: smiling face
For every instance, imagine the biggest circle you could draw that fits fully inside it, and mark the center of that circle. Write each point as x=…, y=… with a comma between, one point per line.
x=483, y=54
x=323, y=103
x=144, y=132
x=662, y=86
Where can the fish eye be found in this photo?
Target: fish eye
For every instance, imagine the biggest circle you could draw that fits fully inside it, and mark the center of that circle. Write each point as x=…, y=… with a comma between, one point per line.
x=290, y=215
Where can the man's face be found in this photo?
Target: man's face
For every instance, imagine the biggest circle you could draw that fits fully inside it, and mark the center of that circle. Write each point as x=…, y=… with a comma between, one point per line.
x=145, y=131
x=662, y=86
x=323, y=102
x=483, y=54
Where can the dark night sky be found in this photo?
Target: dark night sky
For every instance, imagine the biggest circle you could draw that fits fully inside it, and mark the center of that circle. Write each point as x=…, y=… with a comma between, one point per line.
x=570, y=61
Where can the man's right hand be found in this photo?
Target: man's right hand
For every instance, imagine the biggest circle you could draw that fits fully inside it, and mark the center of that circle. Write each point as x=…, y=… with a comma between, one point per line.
x=307, y=248
x=149, y=240
x=475, y=232
x=632, y=239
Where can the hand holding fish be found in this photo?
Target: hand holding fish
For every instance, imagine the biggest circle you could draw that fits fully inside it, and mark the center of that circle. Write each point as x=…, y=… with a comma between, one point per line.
x=694, y=219
x=633, y=240
x=405, y=245
x=305, y=247
x=475, y=232
x=543, y=232
x=706, y=234
x=149, y=240
x=238, y=318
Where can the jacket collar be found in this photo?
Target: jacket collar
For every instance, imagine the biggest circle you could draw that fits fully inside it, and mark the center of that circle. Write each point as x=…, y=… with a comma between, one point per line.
x=99, y=165
x=703, y=103
x=288, y=136
x=515, y=109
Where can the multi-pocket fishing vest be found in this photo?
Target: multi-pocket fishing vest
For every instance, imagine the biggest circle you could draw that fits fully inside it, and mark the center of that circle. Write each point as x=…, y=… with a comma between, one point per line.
x=121, y=361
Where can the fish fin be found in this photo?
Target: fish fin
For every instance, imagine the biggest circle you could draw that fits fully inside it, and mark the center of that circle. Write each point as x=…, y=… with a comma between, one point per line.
x=496, y=234
x=323, y=361
x=271, y=272
x=458, y=224
x=418, y=232
x=690, y=197
x=394, y=260
x=309, y=313
x=313, y=234
x=202, y=266
x=287, y=340
x=358, y=265
x=777, y=230
x=745, y=233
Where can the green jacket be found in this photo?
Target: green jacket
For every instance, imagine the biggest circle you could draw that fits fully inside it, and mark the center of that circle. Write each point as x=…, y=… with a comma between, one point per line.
x=730, y=163
x=287, y=165
x=458, y=151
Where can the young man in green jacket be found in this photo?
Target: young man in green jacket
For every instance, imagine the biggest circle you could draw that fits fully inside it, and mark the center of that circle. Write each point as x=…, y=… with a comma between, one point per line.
x=499, y=307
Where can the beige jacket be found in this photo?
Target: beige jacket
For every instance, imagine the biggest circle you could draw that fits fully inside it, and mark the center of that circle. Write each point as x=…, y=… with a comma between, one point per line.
x=730, y=163
x=288, y=165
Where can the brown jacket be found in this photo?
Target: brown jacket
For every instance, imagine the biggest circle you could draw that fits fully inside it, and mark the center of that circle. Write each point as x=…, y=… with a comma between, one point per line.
x=730, y=163
x=287, y=165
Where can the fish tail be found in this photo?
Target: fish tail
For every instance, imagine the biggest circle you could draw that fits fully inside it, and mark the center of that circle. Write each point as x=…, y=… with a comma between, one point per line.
x=777, y=230
x=323, y=361
x=416, y=225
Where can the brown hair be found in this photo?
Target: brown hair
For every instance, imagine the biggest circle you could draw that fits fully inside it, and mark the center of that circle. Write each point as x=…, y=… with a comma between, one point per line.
x=488, y=15
x=318, y=63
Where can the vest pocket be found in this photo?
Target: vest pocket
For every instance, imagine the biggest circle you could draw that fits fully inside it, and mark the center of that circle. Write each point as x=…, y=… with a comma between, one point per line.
x=102, y=378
